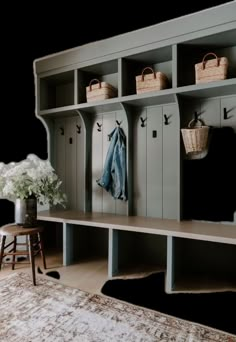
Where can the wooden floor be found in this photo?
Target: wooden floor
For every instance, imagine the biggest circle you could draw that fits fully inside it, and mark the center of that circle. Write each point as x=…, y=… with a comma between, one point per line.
x=88, y=275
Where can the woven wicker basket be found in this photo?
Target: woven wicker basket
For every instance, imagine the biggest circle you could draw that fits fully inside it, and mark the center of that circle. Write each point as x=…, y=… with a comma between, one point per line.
x=211, y=70
x=195, y=138
x=99, y=91
x=150, y=82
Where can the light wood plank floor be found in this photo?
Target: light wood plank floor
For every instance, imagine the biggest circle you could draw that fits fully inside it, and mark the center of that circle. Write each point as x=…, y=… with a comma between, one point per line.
x=88, y=275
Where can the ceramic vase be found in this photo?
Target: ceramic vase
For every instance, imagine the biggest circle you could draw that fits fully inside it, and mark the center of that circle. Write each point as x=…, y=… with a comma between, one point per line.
x=26, y=212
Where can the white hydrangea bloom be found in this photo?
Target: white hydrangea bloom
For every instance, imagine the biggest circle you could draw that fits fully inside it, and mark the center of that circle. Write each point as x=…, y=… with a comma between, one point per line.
x=31, y=177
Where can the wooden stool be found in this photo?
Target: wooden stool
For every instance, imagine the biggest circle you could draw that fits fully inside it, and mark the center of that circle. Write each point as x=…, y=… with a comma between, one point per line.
x=34, y=245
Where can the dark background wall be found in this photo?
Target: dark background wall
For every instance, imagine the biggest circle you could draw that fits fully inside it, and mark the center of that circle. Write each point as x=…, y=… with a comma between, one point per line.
x=36, y=30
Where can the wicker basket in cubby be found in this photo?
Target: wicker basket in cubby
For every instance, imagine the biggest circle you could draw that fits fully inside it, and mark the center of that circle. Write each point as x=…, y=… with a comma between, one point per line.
x=97, y=91
x=211, y=69
x=151, y=81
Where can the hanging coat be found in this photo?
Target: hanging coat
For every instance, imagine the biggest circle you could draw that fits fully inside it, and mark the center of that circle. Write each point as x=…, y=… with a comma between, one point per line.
x=114, y=179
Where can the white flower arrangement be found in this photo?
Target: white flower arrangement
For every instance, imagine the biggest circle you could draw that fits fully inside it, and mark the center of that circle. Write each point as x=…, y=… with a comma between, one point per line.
x=32, y=177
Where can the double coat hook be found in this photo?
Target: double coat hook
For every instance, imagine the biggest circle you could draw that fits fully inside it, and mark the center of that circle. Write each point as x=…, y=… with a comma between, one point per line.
x=99, y=129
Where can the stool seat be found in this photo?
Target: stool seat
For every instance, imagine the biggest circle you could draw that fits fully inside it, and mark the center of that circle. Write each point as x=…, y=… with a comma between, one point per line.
x=34, y=245
x=16, y=230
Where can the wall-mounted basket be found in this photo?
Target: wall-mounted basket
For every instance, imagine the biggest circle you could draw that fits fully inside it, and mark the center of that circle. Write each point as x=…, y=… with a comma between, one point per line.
x=195, y=137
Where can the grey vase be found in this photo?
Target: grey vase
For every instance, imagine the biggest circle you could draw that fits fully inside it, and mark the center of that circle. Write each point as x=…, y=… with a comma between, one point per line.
x=26, y=212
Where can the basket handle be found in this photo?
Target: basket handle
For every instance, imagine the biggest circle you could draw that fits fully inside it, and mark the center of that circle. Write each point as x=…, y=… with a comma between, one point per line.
x=193, y=120
x=209, y=54
x=152, y=71
x=92, y=81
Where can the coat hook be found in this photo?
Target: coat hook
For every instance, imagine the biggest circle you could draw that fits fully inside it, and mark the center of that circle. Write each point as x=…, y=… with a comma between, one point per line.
x=225, y=114
x=166, y=122
x=78, y=129
x=62, y=130
x=99, y=129
x=143, y=121
x=118, y=123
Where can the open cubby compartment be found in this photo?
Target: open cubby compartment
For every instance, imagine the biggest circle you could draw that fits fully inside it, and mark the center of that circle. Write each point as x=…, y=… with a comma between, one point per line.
x=159, y=59
x=87, y=243
x=135, y=252
x=104, y=72
x=192, y=52
x=203, y=265
x=52, y=237
x=57, y=90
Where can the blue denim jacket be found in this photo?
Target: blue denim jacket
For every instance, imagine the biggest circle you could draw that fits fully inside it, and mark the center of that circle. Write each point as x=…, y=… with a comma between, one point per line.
x=114, y=173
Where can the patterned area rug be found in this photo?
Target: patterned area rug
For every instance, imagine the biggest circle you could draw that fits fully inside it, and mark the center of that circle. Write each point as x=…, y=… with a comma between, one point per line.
x=213, y=309
x=51, y=311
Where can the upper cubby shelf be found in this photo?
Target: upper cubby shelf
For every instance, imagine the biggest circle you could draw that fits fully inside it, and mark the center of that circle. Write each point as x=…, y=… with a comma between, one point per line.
x=193, y=51
x=104, y=72
x=62, y=93
x=150, y=99
x=158, y=59
x=165, y=96
x=57, y=90
x=59, y=112
x=103, y=106
x=211, y=89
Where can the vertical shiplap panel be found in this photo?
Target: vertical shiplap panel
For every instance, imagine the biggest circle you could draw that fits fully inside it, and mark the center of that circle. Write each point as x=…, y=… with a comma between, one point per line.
x=70, y=161
x=97, y=163
x=122, y=206
x=60, y=151
x=210, y=112
x=139, y=163
x=154, y=162
x=109, y=123
x=171, y=162
x=80, y=167
x=210, y=116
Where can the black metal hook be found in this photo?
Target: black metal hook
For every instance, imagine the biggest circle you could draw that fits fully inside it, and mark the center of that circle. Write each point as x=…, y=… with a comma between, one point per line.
x=225, y=114
x=118, y=123
x=195, y=117
x=143, y=121
x=166, y=122
x=78, y=129
x=62, y=130
x=99, y=129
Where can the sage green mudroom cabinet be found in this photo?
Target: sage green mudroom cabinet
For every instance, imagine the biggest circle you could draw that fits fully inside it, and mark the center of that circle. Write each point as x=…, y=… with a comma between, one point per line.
x=180, y=215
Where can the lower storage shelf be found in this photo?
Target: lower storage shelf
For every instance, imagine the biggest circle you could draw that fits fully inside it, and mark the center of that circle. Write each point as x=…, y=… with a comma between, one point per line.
x=135, y=253
x=199, y=266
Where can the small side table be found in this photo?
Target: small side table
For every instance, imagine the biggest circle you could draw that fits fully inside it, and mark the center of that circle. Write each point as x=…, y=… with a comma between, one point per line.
x=34, y=245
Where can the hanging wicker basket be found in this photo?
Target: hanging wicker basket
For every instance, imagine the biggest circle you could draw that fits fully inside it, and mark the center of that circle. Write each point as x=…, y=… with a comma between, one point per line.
x=195, y=137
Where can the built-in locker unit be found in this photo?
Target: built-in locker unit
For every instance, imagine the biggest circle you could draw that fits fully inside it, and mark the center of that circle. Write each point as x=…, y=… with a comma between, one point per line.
x=180, y=212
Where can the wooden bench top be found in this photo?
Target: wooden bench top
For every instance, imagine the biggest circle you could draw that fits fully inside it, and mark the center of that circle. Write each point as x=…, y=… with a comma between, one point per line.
x=215, y=232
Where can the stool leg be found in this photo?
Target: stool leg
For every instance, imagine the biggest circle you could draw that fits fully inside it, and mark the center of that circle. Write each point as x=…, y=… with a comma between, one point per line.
x=31, y=252
x=14, y=251
x=41, y=246
x=2, y=249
